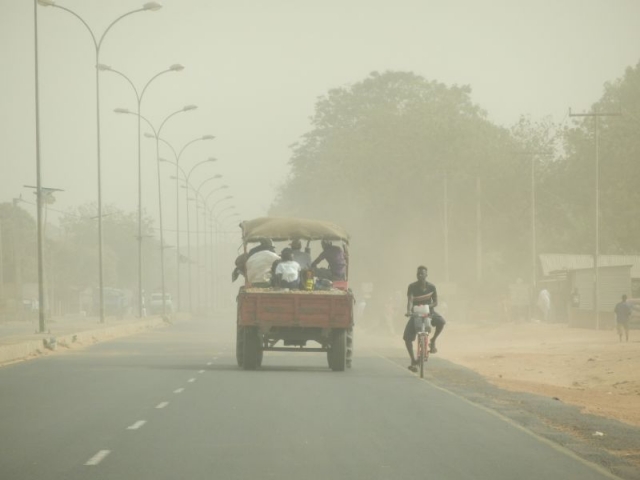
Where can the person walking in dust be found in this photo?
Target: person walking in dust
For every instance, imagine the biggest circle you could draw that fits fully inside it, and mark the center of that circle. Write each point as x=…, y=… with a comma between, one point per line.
x=623, y=312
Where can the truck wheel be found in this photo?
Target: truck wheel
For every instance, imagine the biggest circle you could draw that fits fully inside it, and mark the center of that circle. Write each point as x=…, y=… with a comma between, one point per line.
x=349, y=347
x=240, y=346
x=330, y=358
x=252, y=349
x=338, y=352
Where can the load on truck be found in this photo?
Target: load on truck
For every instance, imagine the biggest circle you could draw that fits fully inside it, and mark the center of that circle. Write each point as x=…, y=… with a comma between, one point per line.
x=314, y=314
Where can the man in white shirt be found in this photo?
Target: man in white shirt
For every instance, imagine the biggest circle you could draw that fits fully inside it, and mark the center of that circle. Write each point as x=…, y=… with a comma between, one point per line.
x=288, y=271
x=259, y=268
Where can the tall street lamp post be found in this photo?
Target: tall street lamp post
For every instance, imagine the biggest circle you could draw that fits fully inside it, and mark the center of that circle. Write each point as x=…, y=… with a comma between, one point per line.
x=41, y=313
x=221, y=236
x=211, y=247
x=187, y=176
x=198, y=196
x=177, y=157
x=147, y=7
x=139, y=96
x=203, y=250
x=156, y=135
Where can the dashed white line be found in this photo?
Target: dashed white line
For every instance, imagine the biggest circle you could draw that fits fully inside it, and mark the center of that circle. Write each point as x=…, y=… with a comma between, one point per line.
x=191, y=380
x=178, y=390
x=136, y=425
x=200, y=371
x=209, y=364
x=162, y=404
x=98, y=457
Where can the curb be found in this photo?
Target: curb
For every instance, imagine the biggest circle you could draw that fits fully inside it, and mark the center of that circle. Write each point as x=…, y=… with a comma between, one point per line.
x=37, y=348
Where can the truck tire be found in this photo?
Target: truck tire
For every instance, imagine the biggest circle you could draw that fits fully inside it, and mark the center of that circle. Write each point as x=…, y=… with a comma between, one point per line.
x=240, y=346
x=338, y=351
x=252, y=349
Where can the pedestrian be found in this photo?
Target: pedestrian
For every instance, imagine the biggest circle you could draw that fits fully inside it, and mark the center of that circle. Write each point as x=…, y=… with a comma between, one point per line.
x=623, y=312
x=544, y=303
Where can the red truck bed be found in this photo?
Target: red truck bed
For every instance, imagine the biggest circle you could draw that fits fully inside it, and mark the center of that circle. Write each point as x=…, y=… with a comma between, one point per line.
x=277, y=308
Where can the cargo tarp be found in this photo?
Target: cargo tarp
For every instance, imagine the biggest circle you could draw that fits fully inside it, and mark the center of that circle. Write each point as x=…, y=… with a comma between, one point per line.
x=278, y=229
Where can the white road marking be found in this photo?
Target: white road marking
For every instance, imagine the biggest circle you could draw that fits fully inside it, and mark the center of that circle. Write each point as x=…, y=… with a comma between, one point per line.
x=191, y=380
x=98, y=457
x=209, y=364
x=178, y=390
x=136, y=425
x=162, y=405
x=201, y=371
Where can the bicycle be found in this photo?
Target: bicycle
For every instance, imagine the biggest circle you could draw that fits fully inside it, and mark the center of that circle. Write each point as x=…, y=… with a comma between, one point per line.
x=422, y=321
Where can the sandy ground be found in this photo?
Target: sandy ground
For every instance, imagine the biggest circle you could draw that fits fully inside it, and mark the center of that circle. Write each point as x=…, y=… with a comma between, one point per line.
x=587, y=368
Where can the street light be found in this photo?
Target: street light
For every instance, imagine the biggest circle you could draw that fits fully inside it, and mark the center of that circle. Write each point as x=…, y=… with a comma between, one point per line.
x=187, y=177
x=149, y=6
x=177, y=157
x=212, y=237
x=139, y=96
x=222, y=246
x=204, y=263
x=198, y=195
x=156, y=135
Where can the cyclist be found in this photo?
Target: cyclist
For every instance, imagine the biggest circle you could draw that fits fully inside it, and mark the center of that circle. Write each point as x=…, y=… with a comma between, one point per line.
x=421, y=293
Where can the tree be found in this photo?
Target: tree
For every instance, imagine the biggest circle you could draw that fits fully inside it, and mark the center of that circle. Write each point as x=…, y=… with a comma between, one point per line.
x=375, y=160
x=619, y=151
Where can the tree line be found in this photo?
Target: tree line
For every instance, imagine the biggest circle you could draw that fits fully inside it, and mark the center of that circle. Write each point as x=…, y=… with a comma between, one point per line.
x=381, y=152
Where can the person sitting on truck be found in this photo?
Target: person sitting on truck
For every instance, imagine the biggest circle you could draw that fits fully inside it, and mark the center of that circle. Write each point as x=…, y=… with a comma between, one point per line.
x=303, y=258
x=336, y=259
x=258, y=268
x=421, y=293
x=241, y=260
x=287, y=271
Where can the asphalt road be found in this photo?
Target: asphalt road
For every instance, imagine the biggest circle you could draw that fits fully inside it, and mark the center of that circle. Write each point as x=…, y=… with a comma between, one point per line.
x=171, y=403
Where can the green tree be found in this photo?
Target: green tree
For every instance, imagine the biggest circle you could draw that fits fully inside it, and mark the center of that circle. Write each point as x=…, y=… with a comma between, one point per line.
x=619, y=173
x=375, y=161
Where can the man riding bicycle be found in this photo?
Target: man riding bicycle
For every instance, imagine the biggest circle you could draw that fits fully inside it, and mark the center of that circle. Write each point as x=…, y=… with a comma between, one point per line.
x=421, y=293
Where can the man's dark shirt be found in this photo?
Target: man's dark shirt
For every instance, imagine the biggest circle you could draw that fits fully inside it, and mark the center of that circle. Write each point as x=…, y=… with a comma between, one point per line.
x=334, y=256
x=421, y=295
x=623, y=312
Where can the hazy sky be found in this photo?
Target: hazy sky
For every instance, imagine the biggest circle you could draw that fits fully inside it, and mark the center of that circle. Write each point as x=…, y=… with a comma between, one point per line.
x=255, y=68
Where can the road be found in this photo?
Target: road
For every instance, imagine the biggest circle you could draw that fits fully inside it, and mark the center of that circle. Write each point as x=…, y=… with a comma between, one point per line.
x=171, y=403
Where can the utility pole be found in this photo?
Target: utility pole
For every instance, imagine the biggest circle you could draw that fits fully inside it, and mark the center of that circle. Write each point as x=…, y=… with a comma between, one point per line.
x=534, y=249
x=596, y=256
x=478, y=228
x=44, y=197
x=446, y=227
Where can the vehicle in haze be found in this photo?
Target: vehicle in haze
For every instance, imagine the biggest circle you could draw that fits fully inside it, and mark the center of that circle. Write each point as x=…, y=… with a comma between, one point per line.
x=287, y=320
x=155, y=304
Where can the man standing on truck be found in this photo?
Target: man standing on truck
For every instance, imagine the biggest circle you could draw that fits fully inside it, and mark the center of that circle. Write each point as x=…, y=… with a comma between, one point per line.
x=421, y=293
x=303, y=258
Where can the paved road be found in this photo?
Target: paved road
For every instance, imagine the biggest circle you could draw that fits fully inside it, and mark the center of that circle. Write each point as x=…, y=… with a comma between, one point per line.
x=171, y=403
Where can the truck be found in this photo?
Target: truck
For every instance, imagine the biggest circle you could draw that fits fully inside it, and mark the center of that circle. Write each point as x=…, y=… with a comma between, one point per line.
x=295, y=320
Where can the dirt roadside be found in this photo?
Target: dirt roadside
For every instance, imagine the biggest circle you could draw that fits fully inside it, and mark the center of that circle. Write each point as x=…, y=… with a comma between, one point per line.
x=587, y=368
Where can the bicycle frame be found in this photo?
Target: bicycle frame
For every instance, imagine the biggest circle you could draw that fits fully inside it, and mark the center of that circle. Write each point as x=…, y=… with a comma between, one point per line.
x=422, y=339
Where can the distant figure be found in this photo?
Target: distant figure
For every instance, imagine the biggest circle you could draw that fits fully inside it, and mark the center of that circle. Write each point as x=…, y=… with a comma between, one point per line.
x=575, y=298
x=544, y=303
x=623, y=312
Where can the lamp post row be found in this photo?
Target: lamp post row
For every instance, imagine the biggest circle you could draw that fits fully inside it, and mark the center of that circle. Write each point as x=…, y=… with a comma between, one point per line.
x=149, y=6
